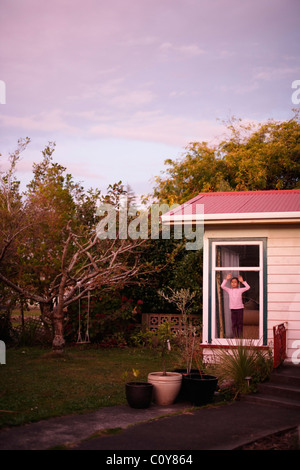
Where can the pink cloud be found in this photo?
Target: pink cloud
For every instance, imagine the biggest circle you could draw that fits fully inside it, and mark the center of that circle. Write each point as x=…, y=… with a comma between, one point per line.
x=158, y=127
x=50, y=121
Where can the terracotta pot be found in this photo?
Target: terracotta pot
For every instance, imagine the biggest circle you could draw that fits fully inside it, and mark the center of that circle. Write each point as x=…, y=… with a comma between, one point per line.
x=139, y=394
x=165, y=387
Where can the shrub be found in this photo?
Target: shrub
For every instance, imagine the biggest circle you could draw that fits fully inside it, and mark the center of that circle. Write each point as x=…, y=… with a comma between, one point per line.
x=241, y=361
x=112, y=319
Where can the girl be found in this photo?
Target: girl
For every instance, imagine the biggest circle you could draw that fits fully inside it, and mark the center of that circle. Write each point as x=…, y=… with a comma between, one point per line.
x=236, y=302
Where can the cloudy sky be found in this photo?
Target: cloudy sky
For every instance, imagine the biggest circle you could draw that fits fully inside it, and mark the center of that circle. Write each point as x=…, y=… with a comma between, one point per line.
x=122, y=85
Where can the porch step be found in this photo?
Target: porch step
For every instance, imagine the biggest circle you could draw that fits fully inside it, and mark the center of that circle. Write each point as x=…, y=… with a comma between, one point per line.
x=270, y=400
x=286, y=374
x=283, y=388
x=280, y=390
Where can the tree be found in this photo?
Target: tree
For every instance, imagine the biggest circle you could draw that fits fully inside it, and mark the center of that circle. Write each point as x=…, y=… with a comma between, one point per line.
x=199, y=170
x=57, y=256
x=11, y=207
x=13, y=224
x=263, y=157
x=252, y=157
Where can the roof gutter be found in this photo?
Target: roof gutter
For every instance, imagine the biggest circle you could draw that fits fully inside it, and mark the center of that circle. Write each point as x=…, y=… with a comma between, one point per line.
x=253, y=217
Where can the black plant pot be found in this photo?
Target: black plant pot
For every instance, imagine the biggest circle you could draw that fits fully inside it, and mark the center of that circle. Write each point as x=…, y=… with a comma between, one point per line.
x=183, y=392
x=139, y=394
x=200, y=389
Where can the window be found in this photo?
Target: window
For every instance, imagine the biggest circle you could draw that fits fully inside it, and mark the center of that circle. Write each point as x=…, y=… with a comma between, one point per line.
x=237, y=258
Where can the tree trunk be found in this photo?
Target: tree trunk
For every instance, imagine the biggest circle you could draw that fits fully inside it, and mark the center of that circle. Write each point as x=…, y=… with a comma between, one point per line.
x=58, y=342
x=47, y=319
x=22, y=313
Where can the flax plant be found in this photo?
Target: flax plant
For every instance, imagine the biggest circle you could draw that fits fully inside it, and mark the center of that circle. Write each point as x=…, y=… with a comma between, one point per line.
x=242, y=364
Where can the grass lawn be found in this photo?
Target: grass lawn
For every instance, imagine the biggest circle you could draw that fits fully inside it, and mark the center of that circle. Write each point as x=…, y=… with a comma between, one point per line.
x=36, y=385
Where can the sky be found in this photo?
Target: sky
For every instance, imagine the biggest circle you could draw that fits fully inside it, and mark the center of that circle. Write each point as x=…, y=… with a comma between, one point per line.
x=122, y=85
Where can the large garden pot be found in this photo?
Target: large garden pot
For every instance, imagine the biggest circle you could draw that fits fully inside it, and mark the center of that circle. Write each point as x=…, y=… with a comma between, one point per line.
x=139, y=394
x=182, y=396
x=165, y=387
x=199, y=388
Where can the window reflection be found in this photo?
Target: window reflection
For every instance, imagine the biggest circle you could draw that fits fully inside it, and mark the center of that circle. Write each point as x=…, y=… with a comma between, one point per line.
x=237, y=255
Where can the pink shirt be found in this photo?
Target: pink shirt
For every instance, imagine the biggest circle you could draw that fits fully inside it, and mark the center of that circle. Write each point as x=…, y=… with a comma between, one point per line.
x=235, y=295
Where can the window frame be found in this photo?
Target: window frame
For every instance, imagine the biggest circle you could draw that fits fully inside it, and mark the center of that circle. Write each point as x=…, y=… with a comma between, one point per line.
x=261, y=269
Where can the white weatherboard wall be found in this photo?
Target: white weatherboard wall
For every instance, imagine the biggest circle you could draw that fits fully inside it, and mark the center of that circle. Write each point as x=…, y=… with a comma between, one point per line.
x=284, y=284
x=283, y=275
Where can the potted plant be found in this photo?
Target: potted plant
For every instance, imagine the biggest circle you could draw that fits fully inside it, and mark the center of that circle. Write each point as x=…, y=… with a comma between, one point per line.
x=188, y=335
x=197, y=386
x=138, y=394
x=166, y=385
x=200, y=387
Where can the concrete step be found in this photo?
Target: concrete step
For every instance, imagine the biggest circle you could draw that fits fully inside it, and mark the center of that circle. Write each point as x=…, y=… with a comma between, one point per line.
x=286, y=376
x=283, y=388
x=271, y=400
x=280, y=390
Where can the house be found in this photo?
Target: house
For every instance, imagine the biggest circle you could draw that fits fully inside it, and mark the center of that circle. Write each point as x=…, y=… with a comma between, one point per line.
x=255, y=234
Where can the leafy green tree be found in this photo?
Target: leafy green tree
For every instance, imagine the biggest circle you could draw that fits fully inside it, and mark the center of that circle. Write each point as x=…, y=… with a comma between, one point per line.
x=162, y=257
x=251, y=157
x=200, y=170
x=263, y=157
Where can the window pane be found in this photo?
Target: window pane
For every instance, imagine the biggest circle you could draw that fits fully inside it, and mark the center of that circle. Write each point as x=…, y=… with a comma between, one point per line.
x=237, y=255
x=244, y=324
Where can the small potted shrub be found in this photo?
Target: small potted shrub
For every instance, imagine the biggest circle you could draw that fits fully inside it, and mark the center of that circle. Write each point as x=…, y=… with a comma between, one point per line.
x=197, y=387
x=189, y=336
x=166, y=385
x=138, y=394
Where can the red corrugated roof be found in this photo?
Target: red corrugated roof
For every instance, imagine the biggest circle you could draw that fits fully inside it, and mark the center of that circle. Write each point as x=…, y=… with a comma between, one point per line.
x=239, y=202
